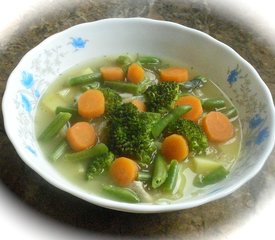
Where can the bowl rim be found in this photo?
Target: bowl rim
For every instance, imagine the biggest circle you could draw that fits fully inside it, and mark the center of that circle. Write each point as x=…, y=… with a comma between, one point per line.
x=144, y=208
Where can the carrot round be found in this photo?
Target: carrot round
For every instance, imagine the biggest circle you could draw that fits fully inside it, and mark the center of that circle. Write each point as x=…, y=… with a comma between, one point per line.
x=139, y=104
x=112, y=73
x=174, y=147
x=217, y=127
x=135, y=73
x=91, y=104
x=124, y=171
x=81, y=136
x=174, y=74
x=196, y=111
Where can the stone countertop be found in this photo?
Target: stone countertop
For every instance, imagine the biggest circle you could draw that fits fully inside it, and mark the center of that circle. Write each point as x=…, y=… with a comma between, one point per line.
x=244, y=213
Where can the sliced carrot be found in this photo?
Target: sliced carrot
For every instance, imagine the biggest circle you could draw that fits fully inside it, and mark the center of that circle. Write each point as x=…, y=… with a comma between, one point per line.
x=174, y=147
x=139, y=104
x=112, y=73
x=81, y=136
x=196, y=111
x=217, y=127
x=124, y=171
x=135, y=73
x=91, y=104
x=174, y=74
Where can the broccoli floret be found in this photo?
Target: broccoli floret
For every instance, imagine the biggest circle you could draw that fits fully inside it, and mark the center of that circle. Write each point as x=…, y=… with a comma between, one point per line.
x=112, y=100
x=161, y=97
x=98, y=165
x=196, y=138
x=130, y=133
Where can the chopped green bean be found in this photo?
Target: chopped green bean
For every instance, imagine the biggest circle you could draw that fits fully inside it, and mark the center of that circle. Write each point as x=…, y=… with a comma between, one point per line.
x=170, y=117
x=213, y=177
x=159, y=172
x=144, y=60
x=83, y=79
x=213, y=103
x=122, y=86
x=59, y=150
x=55, y=126
x=121, y=194
x=71, y=110
x=90, y=153
x=123, y=60
x=171, y=180
x=143, y=176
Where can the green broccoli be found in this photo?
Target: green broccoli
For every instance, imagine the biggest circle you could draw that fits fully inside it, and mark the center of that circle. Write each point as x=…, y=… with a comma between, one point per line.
x=112, y=100
x=130, y=133
x=99, y=164
x=161, y=97
x=196, y=138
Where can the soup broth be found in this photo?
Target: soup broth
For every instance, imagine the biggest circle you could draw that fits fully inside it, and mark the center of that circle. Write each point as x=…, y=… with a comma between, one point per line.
x=60, y=93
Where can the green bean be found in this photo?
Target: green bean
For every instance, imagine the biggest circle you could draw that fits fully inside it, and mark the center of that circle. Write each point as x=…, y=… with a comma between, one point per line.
x=90, y=153
x=121, y=194
x=122, y=86
x=55, y=126
x=123, y=60
x=171, y=180
x=87, y=78
x=70, y=110
x=170, y=117
x=213, y=177
x=59, y=150
x=231, y=112
x=144, y=60
x=159, y=172
x=143, y=176
x=213, y=103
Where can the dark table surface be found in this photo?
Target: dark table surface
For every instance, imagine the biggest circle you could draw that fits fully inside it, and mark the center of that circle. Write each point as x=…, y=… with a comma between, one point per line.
x=246, y=213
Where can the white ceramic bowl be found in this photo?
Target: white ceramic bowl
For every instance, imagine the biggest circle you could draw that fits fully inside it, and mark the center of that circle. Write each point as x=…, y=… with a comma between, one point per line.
x=42, y=65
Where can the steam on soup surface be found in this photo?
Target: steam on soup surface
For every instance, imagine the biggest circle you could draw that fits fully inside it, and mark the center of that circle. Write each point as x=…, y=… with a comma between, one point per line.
x=138, y=129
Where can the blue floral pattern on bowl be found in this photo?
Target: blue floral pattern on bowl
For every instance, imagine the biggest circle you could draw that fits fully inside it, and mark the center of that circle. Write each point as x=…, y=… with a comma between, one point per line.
x=46, y=63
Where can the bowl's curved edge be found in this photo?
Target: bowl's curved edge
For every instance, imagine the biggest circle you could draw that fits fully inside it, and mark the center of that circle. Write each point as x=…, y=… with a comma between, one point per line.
x=136, y=207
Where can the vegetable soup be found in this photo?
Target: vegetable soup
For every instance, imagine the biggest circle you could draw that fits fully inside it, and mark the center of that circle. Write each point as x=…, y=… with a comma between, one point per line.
x=138, y=129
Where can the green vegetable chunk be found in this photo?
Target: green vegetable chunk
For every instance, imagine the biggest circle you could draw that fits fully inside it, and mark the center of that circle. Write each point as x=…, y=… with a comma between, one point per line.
x=70, y=110
x=121, y=194
x=159, y=172
x=213, y=103
x=84, y=79
x=213, y=177
x=169, y=118
x=55, y=126
x=203, y=166
x=112, y=100
x=60, y=150
x=148, y=60
x=144, y=176
x=171, y=180
x=161, y=97
x=90, y=153
x=124, y=61
x=99, y=164
x=130, y=133
x=231, y=113
x=196, y=138
x=122, y=86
